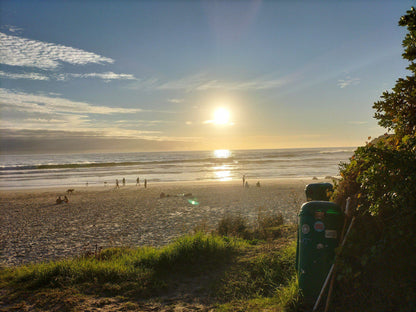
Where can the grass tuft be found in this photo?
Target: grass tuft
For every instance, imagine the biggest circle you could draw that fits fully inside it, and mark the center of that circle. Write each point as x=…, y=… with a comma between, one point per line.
x=226, y=269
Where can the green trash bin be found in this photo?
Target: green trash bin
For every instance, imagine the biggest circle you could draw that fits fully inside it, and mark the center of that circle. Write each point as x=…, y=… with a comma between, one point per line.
x=319, y=191
x=320, y=226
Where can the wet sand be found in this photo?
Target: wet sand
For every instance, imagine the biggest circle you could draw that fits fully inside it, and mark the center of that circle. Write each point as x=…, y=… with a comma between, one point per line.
x=34, y=228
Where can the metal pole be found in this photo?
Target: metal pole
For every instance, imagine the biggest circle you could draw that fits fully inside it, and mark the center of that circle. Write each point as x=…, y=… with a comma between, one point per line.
x=332, y=268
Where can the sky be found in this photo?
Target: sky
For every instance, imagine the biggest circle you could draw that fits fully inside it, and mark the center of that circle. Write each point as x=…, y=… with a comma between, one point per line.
x=124, y=76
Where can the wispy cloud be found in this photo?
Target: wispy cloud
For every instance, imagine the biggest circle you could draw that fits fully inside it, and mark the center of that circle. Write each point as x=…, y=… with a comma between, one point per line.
x=30, y=76
x=17, y=51
x=42, y=103
x=348, y=81
x=105, y=76
x=12, y=29
x=358, y=122
x=201, y=82
x=47, y=112
x=176, y=101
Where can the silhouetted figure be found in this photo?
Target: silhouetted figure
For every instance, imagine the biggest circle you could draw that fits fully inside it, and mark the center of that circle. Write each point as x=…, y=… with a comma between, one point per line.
x=124, y=182
x=66, y=199
x=59, y=200
x=145, y=183
x=138, y=181
x=246, y=185
x=117, y=185
x=244, y=180
x=258, y=184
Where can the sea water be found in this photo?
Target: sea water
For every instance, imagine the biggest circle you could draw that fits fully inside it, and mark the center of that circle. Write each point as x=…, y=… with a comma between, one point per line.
x=70, y=170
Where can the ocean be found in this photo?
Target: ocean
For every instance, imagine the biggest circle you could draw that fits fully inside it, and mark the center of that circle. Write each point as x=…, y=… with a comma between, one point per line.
x=71, y=170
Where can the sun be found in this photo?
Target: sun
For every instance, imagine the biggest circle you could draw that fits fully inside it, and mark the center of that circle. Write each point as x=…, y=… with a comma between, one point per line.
x=221, y=116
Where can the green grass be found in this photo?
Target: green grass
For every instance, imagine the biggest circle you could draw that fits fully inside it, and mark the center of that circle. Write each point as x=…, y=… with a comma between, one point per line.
x=230, y=271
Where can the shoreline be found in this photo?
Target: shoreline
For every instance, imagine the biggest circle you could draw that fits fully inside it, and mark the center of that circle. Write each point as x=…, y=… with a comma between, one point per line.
x=168, y=183
x=37, y=229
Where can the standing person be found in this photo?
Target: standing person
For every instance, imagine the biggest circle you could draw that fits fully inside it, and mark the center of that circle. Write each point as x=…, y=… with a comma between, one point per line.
x=117, y=185
x=145, y=183
x=244, y=180
x=138, y=181
x=124, y=182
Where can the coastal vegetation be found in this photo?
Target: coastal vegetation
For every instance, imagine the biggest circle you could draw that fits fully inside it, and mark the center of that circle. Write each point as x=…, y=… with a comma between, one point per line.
x=227, y=273
x=378, y=270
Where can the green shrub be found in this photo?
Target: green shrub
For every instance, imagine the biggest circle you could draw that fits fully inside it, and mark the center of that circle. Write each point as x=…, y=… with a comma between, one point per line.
x=268, y=226
x=377, y=263
x=233, y=226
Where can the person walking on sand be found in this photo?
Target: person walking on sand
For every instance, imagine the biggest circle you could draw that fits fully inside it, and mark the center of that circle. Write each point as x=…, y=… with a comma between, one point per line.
x=145, y=183
x=138, y=181
x=117, y=185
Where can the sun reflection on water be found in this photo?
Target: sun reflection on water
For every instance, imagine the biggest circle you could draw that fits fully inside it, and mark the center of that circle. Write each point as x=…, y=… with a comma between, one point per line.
x=222, y=153
x=222, y=173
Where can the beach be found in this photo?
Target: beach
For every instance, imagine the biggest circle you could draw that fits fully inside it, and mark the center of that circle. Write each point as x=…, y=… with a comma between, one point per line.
x=34, y=228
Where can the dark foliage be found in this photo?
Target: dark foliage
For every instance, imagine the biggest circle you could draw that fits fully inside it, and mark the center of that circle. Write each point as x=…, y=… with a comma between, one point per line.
x=377, y=265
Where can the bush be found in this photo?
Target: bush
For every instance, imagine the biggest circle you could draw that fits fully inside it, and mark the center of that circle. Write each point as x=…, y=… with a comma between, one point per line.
x=233, y=226
x=268, y=226
x=378, y=271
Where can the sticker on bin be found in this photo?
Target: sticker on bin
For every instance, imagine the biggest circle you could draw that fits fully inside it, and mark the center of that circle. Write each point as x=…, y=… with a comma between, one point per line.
x=320, y=246
x=330, y=234
x=306, y=228
x=319, y=226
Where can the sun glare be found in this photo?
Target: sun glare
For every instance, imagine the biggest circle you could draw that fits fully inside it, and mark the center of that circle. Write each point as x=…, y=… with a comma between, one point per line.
x=222, y=153
x=221, y=116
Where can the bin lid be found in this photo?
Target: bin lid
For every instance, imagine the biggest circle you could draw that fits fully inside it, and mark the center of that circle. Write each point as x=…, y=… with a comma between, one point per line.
x=319, y=191
x=327, y=207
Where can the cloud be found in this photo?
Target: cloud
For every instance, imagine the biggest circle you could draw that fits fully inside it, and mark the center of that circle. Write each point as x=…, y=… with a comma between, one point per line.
x=348, y=81
x=54, y=141
x=31, y=76
x=17, y=51
x=105, y=76
x=201, y=82
x=358, y=122
x=12, y=29
x=45, y=112
x=26, y=102
x=176, y=101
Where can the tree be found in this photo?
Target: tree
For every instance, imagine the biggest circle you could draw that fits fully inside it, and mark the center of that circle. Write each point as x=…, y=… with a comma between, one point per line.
x=377, y=265
x=397, y=109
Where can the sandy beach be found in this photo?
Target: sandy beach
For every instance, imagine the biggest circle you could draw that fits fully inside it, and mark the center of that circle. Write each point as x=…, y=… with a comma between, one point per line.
x=34, y=228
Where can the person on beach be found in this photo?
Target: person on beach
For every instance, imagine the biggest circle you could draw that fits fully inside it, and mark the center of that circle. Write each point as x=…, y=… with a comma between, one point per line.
x=244, y=180
x=138, y=181
x=117, y=185
x=145, y=183
x=124, y=182
x=59, y=200
x=66, y=199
